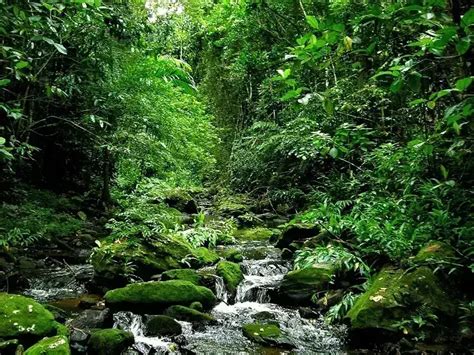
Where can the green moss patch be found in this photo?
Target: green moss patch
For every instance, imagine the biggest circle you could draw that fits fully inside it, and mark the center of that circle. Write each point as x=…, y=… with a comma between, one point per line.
x=23, y=317
x=57, y=345
x=257, y=233
x=109, y=341
x=163, y=326
x=182, y=274
x=206, y=256
x=231, y=273
x=161, y=294
x=188, y=314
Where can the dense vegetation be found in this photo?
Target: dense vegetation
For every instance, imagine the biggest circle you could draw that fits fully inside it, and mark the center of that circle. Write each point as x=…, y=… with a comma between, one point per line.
x=349, y=120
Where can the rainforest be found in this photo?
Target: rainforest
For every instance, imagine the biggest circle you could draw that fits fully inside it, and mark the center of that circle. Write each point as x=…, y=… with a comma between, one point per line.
x=236, y=177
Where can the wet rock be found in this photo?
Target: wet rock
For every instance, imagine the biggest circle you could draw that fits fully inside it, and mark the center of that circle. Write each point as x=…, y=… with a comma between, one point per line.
x=163, y=326
x=296, y=233
x=263, y=316
x=92, y=319
x=145, y=296
x=89, y=301
x=231, y=273
x=59, y=314
x=25, y=319
x=287, y=254
x=109, y=341
x=57, y=345
x=266, y=334
x=182, y=274
x=188, y=314
x=298, y=286
x=395, y=296
x=307, y=312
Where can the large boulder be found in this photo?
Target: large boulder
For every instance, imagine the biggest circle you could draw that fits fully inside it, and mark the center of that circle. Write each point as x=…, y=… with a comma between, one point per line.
x=230, y=273
x=266, y=335
x=112, y=260
x=109, y=342
x=57, y=345
x=25, y=319
x=299, y=286
x=392, y=301
x=296, y=233
x=150, y=296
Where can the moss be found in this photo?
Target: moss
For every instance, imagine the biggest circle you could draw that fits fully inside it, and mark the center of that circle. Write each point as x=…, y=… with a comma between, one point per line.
x=109, y=341
x=188, y=314
x=257, y=233
x=197, y=306
x=182, y=274
x=296, y=233
x=57, y=345
x=233, y=255
x=300, y=285
x=22, y=316
x=435, y=251
x=163, y=325
x=231, y=273
x=396, y=295
x=206, y=256
x=111, y=259
x=233, y=205
x=160, y=294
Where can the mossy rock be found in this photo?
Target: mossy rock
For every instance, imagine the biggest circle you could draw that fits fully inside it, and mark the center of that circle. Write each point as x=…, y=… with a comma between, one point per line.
x=205, y=256
x=231, y=273
x=299, y=286
x=257, y=233
x=435, y=251
x=181, y=200
x=163, y=326
x=297, y=233
x=146, y=296
x=182, y=274
x=233, y=205
x=266, y=334
x=25, y=319
x=197, y=306
x=233, y=255
x=161, y=254
x=109, y=341
x=58, y=345
x=397, y=295
x=188, y=314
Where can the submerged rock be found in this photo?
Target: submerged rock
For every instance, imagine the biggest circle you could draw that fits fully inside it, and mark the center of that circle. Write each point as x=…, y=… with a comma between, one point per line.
x=266, y=334
x=300, y=285
x=188, y=314
x=296, y=233
x=163, y=326
x=231, y=273
x=25, y=319
x=394, y=298
x=156, y=295
x=109, y=341
x=57, y=345
x=91, y=319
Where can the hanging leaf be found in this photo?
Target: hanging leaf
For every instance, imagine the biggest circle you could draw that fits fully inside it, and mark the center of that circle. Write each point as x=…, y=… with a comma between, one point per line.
x=396, y=85
x=463, y=84
x=334, y=152
x=4, y=82
x=444, y=171
x=60, y=48
x=313, y=22
x=468, y=18
x=463, y=45
x=348, y=43
x=328, y=106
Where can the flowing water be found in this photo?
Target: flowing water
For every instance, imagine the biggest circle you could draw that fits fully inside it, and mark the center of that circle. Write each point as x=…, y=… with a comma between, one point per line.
x=263, y=271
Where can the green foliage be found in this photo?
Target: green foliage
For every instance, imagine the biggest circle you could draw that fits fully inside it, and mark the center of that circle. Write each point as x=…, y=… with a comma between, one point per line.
x=209, y=233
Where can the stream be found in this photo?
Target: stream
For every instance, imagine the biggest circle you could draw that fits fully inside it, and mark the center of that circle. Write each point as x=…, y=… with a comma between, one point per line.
x=263, y=270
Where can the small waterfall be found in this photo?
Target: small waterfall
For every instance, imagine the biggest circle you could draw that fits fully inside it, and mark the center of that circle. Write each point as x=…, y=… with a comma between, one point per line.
x=221, y=291
x=134, y=324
